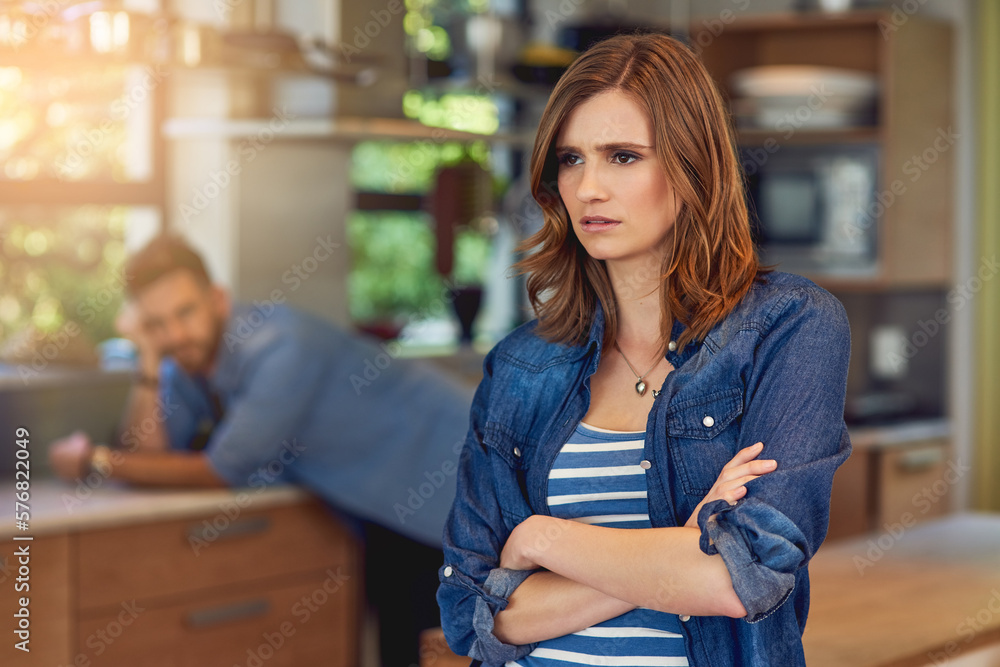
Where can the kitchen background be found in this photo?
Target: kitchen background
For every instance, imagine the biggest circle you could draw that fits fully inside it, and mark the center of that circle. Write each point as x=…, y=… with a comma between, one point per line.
x=366, y=161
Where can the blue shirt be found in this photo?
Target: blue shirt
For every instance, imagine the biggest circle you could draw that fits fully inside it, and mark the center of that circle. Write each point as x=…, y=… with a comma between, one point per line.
x=598, y=479
x=773, y=370
x=376, y=436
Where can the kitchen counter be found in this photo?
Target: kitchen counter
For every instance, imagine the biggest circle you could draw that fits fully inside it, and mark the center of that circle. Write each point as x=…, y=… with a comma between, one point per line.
x=62, y=507
x=907, y=596
x=899, y=434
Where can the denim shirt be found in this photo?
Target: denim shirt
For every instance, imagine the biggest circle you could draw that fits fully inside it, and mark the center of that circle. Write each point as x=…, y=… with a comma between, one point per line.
x=773, y=370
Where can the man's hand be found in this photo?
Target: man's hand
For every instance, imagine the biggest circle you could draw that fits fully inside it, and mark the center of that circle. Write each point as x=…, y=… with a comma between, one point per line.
x=731, y=484
x=128, y=323
x=70, y=456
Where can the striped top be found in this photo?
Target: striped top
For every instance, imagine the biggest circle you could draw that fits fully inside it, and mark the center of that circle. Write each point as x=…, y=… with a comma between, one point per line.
x=597, y=478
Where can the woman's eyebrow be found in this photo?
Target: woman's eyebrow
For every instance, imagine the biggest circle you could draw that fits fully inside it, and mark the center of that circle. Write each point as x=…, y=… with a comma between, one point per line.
x=606, y=148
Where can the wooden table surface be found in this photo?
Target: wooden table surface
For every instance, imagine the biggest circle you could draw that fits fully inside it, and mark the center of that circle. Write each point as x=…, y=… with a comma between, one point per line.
x=914, y=595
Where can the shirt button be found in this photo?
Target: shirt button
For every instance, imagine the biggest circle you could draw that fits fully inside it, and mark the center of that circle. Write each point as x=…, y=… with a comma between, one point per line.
x=684, y=618
x=672, y=345
x=645, y=465
x=517, y=451
x=708, y=421
x=448, y=571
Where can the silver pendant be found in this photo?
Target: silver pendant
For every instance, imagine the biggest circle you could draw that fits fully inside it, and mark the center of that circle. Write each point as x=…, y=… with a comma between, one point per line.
x=656, y=393
x=640, y=388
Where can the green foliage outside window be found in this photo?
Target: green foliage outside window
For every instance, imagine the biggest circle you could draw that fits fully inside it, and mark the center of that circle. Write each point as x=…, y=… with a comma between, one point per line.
x=61, y=270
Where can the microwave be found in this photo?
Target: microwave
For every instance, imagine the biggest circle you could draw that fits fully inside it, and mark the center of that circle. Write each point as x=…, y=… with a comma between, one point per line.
x=813, y=208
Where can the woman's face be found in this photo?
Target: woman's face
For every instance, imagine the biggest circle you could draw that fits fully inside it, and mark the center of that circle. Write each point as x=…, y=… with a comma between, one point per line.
x=617, y=195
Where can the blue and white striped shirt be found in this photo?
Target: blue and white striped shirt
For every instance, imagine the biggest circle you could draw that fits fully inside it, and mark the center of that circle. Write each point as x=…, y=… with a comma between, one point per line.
x=597, y=479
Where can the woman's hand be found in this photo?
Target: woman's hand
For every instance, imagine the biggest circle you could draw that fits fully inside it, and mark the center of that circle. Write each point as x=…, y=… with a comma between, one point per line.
x=730, y=486
x=528, y=536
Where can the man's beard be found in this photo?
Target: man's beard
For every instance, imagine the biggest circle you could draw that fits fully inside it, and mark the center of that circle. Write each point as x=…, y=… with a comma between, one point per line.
x=204, y=351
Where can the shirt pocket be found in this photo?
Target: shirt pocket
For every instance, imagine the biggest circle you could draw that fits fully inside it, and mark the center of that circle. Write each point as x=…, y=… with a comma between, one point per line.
x=703, y=436
x=508, y=452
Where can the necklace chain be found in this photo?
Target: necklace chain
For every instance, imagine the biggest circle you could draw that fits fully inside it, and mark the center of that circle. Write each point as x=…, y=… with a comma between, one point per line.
x=640, y=385
x=627, y=363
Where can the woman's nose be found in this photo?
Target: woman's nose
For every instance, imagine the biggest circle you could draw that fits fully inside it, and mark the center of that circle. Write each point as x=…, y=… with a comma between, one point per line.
x=590, y=187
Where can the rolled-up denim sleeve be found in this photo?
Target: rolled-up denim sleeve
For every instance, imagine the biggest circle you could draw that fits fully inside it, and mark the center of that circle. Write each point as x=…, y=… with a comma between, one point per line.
x=473, y=587
x=794, y=404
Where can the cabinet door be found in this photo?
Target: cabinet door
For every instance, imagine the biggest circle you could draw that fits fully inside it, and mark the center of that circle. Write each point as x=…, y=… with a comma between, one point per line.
x=48, y=605
x=851, y=497
x=232, y=547
x=313, y=622
x=914, y=483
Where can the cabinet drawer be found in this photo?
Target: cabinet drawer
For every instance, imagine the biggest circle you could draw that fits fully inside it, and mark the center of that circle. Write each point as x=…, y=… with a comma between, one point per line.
x=48, y=606
x=144, y=562
x=313, y=623
x=913, y=480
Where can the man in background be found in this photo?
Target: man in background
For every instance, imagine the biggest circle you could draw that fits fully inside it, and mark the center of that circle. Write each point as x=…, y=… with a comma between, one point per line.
x=249, y=386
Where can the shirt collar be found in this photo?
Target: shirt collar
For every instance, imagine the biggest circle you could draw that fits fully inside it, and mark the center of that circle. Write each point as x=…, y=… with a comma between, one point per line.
x=676, y=357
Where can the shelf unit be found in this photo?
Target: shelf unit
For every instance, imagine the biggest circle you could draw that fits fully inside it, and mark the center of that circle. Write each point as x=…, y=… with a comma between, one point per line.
x=913, y=130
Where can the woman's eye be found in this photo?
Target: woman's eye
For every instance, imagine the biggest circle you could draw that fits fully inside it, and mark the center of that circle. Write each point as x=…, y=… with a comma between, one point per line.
x=623, y=158
x=569, y=159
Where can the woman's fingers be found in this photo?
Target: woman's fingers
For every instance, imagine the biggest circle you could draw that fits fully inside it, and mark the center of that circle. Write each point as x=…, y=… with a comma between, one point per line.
x=745, y=455
x=761, y=467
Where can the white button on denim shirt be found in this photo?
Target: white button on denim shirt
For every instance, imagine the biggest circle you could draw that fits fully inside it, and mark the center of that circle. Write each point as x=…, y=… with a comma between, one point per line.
x=774, y=370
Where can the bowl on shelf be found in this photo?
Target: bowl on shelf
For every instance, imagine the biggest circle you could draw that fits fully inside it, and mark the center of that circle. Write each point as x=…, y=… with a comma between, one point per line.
x=803, y=95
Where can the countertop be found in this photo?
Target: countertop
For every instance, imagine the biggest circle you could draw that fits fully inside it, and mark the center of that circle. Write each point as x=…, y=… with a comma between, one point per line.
x=906, y=596
x=61, y=507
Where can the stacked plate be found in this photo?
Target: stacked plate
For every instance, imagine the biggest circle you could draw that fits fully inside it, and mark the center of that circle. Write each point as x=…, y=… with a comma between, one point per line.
x=803, y=96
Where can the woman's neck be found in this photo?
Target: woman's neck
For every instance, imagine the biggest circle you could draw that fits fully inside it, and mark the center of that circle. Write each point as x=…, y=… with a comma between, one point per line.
x=637, y=287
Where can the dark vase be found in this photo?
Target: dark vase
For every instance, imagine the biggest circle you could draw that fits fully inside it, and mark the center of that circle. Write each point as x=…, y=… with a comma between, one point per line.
x=466, y=304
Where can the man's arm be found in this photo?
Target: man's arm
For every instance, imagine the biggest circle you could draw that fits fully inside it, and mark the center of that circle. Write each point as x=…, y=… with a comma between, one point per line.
x=164, y=469
x=74, y=456
x=142, y=426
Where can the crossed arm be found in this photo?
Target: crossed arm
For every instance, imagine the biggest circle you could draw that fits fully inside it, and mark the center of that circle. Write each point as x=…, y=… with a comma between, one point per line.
x=590, y=574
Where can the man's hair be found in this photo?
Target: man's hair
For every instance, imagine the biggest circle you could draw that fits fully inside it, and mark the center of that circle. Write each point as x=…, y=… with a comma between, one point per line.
x=710, y=261
x=165, y=254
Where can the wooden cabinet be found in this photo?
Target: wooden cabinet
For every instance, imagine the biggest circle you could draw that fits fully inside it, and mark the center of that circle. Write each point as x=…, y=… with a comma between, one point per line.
x=886, y=485
x=913, y=130
x=49, y=610
x=278, y=586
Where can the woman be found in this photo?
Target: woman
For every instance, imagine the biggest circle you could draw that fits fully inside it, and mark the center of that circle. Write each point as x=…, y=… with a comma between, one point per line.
x=648, y=467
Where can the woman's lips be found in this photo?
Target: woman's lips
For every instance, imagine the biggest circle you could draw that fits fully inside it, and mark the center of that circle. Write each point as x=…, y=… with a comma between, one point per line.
x=597, y=224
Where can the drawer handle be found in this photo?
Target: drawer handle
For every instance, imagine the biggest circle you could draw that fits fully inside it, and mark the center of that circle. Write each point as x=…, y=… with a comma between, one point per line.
x=239, y=528
x=920, y=460
x=204, y=618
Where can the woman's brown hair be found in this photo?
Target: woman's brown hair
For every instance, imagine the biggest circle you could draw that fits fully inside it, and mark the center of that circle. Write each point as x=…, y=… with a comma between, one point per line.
x=712, y=262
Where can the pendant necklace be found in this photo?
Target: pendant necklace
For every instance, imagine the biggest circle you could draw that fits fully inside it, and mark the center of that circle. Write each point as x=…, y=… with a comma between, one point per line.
x=640, y=385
